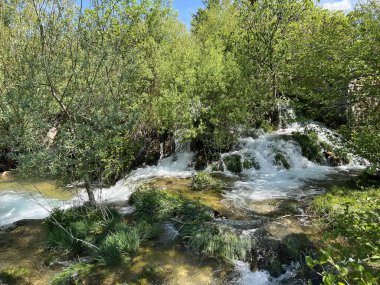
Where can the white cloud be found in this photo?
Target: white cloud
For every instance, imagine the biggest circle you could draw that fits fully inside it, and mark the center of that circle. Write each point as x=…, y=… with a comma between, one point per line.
x=343, y=5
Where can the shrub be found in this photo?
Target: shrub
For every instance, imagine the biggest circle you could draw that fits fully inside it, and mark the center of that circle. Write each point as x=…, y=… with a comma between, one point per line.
x=118, y=245
x=72, y=275
x=352, y=245
x=202, y=181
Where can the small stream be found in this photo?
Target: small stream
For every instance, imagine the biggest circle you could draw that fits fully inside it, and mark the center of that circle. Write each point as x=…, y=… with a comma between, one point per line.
x=247, y=191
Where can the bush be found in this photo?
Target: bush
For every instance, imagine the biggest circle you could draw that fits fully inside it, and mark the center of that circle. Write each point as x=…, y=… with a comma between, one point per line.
x=73, y=274
x=202, y=181
x=118, y=245
x=351, y=252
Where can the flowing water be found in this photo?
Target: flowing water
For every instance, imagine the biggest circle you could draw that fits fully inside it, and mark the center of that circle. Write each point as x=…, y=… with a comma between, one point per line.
x=267, y=182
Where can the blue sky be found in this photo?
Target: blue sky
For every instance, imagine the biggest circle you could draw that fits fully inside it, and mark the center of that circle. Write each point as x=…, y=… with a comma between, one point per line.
x=188, y=7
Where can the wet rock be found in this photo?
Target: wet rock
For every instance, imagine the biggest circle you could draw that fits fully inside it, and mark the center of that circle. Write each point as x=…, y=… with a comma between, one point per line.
x=251, y=163
x=310, y=147
x=218, y=166
x=233, y=163
x=297, y=246
x=200, y=162
x=268, y=254
x=8, y=228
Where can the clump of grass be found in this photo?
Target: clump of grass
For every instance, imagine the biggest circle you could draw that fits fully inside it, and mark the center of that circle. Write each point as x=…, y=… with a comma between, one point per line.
x=14, y=275
x=119, y=245
x=74, y=274
x=220, y=242
x=153, y=205
x=202, y=181
x=194, y=223
x=73, y=230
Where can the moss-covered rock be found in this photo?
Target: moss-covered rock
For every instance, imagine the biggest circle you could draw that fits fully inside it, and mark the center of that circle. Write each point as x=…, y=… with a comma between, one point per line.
x=251, y=163
x=310, y=147
x=280, y=160
x=233, y=163
x=217, y=166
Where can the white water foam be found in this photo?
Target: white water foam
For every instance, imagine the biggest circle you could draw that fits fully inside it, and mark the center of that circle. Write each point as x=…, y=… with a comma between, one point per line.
x=16, y=206
x=262, y=277
x=272, y=181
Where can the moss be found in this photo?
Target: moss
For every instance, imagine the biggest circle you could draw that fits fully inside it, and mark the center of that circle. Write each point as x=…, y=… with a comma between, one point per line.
x=233, y=163
x=153, y=274
x=14, y=275
x=251, y=163
x=281, y=160
x=309, y=145
x=74, y=274
x=297, y=246
x=266, y=126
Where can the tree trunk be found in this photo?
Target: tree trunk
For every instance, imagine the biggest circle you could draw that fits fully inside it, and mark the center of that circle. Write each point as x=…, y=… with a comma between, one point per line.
x=90, y=193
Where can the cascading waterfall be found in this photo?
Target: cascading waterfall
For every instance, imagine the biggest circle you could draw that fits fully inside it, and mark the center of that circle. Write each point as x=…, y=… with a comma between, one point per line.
x=16, y=206
x=262, y=178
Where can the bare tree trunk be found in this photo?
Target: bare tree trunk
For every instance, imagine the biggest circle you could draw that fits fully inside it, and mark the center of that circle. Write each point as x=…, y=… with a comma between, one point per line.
x=90, y=193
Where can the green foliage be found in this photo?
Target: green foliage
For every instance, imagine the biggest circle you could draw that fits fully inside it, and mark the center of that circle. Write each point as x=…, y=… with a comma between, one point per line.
x=281, y=160
x=219, y=242
x=153, y=274
x=309, y=145
x=74, y=274
x=118, y=245
x=233, y=163
x=193, y=221
x=14, y=275
x=203, y=181
x=73, y=230
x=353, y=251
x=251, y=162
x=154, y=205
